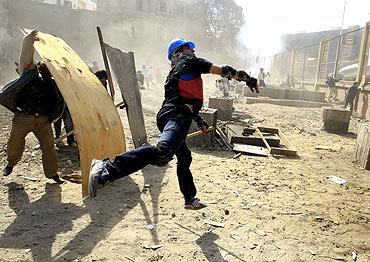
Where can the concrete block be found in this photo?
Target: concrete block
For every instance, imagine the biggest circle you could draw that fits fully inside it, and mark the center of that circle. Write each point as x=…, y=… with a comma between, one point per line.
x=292, y=94
x=210, y=116
x=224, y=107
x=283, y=102
x=336, y=120
x=362, y=150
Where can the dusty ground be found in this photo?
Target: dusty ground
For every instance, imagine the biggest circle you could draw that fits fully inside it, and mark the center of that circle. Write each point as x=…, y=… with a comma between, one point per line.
x=273, y=209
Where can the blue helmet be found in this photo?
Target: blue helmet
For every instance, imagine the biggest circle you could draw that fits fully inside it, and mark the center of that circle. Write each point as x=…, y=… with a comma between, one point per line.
x=176, y=43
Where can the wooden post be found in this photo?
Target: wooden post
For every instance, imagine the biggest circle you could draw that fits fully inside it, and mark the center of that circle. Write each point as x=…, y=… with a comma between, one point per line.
x=337, y=56
x=273, y=73
x=320, y=59
x=292, y=63
x=304, y=65
x=363, y=59
x=364, y=55
x=362, y=150
x=106, y=64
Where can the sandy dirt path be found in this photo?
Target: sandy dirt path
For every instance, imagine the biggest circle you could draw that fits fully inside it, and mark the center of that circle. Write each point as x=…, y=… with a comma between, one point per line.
x=272, y=209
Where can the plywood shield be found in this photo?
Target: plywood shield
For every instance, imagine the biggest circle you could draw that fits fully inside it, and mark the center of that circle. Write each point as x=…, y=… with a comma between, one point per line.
x=123, y=66
x=98, y=127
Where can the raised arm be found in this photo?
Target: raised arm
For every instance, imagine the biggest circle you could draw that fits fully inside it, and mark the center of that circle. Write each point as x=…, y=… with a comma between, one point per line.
x=230, y=72
x=26, y=58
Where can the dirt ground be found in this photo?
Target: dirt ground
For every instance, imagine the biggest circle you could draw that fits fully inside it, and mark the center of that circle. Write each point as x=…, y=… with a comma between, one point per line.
x=272, y=209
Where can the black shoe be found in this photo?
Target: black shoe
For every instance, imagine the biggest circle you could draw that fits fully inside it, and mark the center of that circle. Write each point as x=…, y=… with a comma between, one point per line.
x=194, y=204
x=57, y=179
x=7, y=170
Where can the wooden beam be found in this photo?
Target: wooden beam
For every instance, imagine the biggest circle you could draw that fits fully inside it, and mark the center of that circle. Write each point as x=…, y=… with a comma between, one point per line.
x=106, y=64
x=320, y=58
x=224, y=138
x=304, y=66
x=197, y=133
x=63, y=136
x=292, y=64
x=363, y=55
x=258, y=132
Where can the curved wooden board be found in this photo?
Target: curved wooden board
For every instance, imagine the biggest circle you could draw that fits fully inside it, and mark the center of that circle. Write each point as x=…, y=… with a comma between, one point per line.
x=97, y=124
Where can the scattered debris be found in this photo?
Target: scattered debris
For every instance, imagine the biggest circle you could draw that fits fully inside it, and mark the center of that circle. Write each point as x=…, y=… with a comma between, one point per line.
x=253, y=246
x=261, y=233
x=354, y=255
x=252, y=150
x=213, y=223
x=321, y=147
x=150, y=226
x=227, y=212
x=27, y=250
x=313, y=253
x=286, y=148
x=155, y=247
x=147, y=185
x=152, y=247
x=224, y=138
x=30, y=178
x=237, y=155
x=338, y=180
x=290, y=213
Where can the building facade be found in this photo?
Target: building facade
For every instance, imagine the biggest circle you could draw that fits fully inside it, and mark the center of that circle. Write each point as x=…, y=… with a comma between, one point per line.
x=145, y=27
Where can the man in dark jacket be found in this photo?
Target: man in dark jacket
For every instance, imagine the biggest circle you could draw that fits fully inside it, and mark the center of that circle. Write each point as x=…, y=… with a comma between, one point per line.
x=36, y=102
x=183, y=100
x=350, y=96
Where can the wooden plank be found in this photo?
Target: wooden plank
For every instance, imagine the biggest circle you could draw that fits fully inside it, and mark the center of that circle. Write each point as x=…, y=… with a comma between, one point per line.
x=123, y=67
x=253, y=150
x=64, y=136
x=223, y=138
x=106, y=64
x=282, y=151
x=285, y=140
x=197, y=133
x=268, y=130
x=97, y=124
x=258, y=132
x=289, y=150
